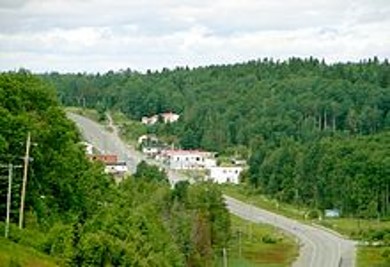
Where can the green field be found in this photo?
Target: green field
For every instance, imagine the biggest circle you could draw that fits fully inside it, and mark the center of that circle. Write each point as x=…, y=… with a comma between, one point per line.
x=13, y=255
x=373, y=257
x=254, y=244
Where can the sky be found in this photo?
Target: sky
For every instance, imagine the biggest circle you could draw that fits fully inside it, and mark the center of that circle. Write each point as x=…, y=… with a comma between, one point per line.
x=102, y=35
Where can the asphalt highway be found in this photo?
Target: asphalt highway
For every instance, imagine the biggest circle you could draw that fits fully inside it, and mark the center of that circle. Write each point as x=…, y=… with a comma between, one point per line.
x=318, y=247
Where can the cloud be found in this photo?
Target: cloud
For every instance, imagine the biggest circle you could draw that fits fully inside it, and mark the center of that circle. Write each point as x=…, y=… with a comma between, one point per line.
x=92, y=35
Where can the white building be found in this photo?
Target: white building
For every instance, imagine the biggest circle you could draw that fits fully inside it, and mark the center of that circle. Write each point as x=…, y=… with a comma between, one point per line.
x=225, y=174
x=88, y=148
x=150, y=120
x=116, y=168
x=151, y=151
x=188, y=159
x=167, y=117
x=170, y=117
x=146, y=138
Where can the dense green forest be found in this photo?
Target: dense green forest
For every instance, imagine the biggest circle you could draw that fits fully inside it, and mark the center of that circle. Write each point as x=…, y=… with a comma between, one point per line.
x=314, y=134
x=77, y=214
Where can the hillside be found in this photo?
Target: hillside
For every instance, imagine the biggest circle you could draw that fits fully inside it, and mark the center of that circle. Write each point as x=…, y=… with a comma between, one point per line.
x=76, y=214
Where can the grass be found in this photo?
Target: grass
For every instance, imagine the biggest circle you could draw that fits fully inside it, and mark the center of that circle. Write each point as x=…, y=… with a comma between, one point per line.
x=12, y=255
x=255, y=244
x=353, y=227
x=129, y=129
x=245, y=195
x=373, y=257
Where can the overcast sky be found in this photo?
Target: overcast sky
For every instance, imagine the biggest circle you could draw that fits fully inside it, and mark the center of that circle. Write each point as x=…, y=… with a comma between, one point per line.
x=93, y=35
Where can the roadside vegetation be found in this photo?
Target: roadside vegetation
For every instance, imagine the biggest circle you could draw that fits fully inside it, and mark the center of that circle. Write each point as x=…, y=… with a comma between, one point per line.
x=13, y=255
x=255, y=244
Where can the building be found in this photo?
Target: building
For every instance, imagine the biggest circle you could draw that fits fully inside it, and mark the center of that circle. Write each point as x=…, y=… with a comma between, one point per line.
x=117, y=168
x=225, y=174
x=170, y=117
x=147, y=139
x=149, y=120
x=104, y=158
x=88, y=148
x=111, y=164
x=167, y=117
x=188, y=159
x=151, y=151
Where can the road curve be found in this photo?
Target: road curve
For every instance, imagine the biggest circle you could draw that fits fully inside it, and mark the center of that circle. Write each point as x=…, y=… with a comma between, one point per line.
x=318, y=247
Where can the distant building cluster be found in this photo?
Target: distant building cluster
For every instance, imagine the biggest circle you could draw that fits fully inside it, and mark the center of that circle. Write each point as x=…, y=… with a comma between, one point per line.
x=191, y=160
x=173, y=159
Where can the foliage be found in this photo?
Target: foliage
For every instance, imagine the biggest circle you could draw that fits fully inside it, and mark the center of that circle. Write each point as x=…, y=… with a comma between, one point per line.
x=315, y=134
x=78, y=215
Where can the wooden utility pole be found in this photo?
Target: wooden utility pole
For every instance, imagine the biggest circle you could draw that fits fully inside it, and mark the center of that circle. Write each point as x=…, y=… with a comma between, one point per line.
x=8, y=199
x=225, y=261
x=25, y=171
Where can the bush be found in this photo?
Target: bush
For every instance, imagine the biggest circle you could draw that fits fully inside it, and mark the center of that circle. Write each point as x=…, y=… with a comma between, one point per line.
x=269, y=239
x=313, y=214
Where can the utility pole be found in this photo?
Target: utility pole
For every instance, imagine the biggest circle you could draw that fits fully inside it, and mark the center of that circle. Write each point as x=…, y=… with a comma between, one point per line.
x=225, y=261
x=8, y=199
x=10, y=167
x=25, y=171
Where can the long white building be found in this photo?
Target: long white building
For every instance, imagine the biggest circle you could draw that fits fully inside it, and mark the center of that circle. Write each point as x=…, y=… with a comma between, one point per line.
x=188, y=159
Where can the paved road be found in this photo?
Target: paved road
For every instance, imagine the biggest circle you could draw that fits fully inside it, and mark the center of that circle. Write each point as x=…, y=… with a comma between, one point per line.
x=319, y=248
x=110, y=143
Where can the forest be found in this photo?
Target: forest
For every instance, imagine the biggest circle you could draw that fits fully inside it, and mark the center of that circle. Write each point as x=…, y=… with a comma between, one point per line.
x=315, y=134
x=77, y=214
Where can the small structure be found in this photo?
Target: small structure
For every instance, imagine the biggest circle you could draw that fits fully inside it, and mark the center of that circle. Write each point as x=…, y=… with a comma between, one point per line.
x=188, y=159
x=167, y=117
x=117, y=168
x=150, y=151
x=149, y=120
x=225, y=174
x=88, y=148
x=147, y=139
x=111, y=164
x=104, y=158
x=332, y=213
x=170, y=117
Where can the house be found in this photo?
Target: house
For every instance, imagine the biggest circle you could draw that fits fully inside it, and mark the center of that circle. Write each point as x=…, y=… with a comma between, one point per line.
x=188, y=159
x=117, y=168
x=111, y=164
x=167, y=117
x=88, y=148
x=150, y=151
x=147, y=138
x=170, y=117
x=219, y=174
x=150, y=120
x=104, y=158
